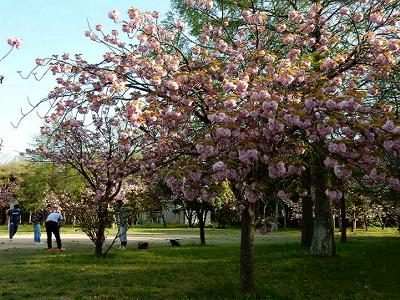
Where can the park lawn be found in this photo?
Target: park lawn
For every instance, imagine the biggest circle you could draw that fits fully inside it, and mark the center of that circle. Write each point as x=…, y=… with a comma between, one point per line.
x=367, y=267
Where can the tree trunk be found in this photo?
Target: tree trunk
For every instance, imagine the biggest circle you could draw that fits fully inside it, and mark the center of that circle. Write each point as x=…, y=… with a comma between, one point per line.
x=365, y=222
x=247, y=276
x=3, y=216
x=343, y=233
x=307, y=219
x=202, y=224
x=323, y=242
x=381, y=222
x=189, y=216
x=284, y=216
x=307, y=222
x=398, y=223
x=99, y=242
x=100, y=231
x=163, y=220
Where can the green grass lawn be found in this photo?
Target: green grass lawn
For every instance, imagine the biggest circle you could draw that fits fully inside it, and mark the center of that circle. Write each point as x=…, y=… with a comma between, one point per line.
x=367, y=267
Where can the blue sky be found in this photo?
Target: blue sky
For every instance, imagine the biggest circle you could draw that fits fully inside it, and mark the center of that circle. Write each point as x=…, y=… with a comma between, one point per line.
x=46, y=27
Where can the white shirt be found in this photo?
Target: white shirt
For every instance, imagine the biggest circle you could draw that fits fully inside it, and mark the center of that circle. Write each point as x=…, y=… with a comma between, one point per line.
x=55, y=217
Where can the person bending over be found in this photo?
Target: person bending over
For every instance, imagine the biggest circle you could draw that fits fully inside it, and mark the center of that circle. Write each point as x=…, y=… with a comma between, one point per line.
x=53, y=223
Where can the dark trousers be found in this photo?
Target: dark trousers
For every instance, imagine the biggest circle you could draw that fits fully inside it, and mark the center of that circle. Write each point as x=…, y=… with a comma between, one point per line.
x=52, y=227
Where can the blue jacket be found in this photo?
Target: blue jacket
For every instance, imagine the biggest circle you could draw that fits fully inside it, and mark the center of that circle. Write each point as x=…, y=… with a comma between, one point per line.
x=15, y=215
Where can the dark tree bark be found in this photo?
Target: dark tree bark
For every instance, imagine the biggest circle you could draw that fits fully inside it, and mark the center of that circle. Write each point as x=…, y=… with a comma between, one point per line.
x=99, y=242
x=163, y=220
x=100, y=230
x=189, y=213
x=307, y=219
x=3, y=216
x=201, y=214
x=247, y=276
x=307, y=224
x=398, y=223
x=323, y=242
x=343, y=233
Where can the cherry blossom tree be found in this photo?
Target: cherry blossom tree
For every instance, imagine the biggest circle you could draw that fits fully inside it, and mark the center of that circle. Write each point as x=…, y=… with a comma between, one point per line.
x=195, y=189
x=246, y=105
x=7, y=189
x=148, y=194
x=103, y=150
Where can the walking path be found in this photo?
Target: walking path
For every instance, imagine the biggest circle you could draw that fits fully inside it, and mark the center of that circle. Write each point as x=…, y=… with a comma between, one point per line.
x=25, y=240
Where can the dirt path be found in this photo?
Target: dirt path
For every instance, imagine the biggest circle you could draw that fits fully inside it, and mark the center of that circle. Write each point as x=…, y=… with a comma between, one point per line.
x=25, y=240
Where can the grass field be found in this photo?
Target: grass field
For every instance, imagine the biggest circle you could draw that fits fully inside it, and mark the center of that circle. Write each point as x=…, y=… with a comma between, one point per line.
x=367, y=267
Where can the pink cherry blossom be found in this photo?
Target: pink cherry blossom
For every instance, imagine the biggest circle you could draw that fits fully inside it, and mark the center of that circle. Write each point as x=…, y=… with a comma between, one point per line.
x=40, y=62
x=394, y=184
x=374, y=177
x=13, y=42
x=248, y=156
x=334, y=194
x=281, y=28
x=283, y=195
x=390, y=127
x=376, y=18
x=344, y=10
x=277, y=170
x=252, y=196
x=339, y=148
x=241, y=86
x=293, y=15
x=99, y=27
x=114, y=15
x=358, y=17
x=219, y=166
x=342, y=172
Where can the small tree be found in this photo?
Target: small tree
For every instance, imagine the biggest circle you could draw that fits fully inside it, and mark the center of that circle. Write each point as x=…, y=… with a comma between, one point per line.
x=104, y=153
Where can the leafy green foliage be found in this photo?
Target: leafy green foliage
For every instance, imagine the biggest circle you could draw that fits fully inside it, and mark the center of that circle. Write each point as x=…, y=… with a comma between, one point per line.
x=41, y=179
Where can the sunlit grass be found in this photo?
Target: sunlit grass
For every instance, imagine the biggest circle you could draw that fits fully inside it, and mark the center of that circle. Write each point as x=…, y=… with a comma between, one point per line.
x=367, y=267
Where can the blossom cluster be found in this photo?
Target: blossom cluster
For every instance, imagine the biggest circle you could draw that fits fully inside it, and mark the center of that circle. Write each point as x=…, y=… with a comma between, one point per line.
x=233, y=105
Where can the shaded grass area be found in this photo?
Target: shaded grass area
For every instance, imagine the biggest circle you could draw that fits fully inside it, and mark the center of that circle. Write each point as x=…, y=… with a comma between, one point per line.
x=367, y=267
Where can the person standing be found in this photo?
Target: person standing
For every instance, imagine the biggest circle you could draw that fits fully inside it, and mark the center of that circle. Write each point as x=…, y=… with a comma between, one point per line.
x=122, y=222
x=14, y=220
x=36, y=220
x=53, y=223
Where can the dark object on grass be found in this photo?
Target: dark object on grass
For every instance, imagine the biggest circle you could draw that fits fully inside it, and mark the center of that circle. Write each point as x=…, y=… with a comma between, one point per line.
x=143, y=245
x=174, y=243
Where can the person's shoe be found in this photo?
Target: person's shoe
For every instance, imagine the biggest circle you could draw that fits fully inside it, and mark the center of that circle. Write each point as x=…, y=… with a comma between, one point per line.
x=51, y=250
x=60, y=249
